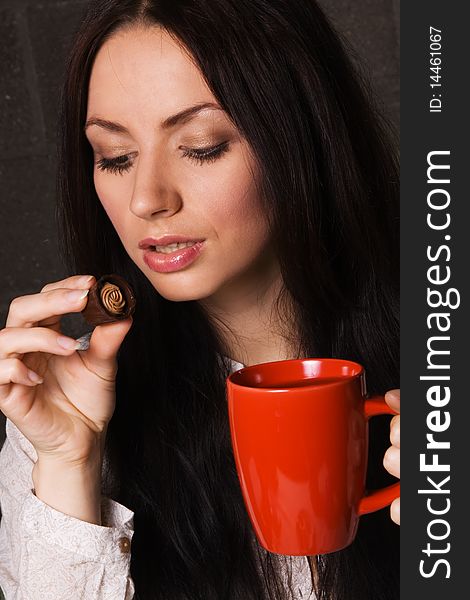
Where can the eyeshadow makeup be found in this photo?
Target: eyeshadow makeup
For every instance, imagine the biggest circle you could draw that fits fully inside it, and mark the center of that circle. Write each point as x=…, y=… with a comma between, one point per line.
x=110, y=299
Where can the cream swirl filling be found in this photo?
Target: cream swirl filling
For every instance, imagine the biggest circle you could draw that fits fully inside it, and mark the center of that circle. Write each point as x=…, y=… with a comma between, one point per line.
x=112, y=298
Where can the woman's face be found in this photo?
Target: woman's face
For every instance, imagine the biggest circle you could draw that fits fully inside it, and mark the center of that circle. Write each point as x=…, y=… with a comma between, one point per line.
x=160, y=184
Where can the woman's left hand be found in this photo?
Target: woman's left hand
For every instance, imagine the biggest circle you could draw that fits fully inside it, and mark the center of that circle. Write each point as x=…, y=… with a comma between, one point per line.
x=392, y=456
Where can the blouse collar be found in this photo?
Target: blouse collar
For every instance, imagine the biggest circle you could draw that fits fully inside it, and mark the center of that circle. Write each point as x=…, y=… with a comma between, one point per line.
x=234, y=365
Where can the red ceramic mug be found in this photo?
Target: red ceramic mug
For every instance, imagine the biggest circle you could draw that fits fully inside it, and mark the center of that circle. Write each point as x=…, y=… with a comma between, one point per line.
x=300, y=438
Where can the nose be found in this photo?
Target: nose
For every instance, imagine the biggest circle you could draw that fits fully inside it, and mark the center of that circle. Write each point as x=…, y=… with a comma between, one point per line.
x=155, y=193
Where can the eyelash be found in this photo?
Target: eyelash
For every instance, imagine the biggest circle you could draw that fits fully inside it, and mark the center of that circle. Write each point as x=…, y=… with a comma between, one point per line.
x=200, y=156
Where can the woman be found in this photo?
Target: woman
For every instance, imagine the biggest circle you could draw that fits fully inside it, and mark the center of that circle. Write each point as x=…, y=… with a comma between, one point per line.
x=243, y=128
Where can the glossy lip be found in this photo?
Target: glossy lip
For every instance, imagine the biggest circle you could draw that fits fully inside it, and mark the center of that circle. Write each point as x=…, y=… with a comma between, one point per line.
x=174, y=261
x=165, y=240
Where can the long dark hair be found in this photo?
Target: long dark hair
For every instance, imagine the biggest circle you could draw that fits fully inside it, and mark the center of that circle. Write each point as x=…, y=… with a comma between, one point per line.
x=329, y=184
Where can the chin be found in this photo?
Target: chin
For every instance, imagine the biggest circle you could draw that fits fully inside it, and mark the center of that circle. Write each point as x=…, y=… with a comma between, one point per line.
x=177, y=296
x=179, y=291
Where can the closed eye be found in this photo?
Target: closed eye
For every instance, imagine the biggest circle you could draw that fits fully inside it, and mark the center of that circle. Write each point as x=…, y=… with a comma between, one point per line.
x=114, y=165
x=202, y=155
x=121, y=164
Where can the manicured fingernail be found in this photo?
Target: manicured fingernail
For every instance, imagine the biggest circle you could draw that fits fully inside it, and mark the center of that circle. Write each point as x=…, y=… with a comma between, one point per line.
x=76, y=295
x=85, y=279
x=84, y=341
x=35, y=378
x=67, y=343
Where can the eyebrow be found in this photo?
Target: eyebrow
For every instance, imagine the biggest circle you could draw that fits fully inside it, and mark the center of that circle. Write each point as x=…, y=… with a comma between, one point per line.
x=179, y=118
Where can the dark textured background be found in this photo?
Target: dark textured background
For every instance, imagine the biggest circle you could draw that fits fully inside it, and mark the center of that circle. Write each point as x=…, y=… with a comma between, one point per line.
x=34, y=38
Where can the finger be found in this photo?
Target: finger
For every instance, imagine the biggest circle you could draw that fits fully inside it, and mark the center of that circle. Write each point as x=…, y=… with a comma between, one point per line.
x=100, y=357
x=395, y=511
x=45, y=308
x=75, y=281
x=17, y=341
x=392, y=398
x=395, y=431
x=12, y=370
x=392, y=461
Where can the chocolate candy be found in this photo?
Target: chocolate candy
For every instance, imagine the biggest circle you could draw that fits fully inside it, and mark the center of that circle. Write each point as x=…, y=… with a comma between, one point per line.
x=110, y=299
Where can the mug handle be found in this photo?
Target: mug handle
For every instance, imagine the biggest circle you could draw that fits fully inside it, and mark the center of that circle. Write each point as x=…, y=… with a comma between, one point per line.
x=378, y=499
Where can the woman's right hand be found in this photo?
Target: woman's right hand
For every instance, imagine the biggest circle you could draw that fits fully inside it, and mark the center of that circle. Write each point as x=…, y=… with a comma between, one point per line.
x=65, y=415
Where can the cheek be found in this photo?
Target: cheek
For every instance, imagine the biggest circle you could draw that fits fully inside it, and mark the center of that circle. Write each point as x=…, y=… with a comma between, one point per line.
x=112, y=195
x=238, y=216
